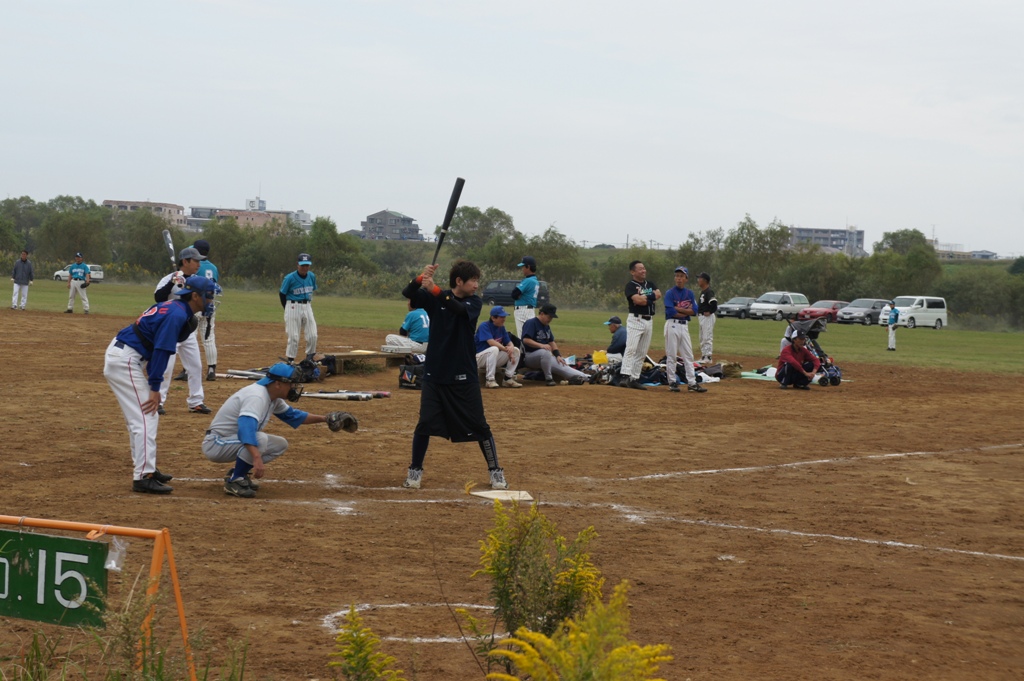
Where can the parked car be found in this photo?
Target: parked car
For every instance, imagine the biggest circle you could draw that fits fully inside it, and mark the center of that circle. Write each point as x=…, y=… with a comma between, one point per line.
x=862, y=311
x=829, y=309
x=778, y=305
x=921, y=311
x=499, y=292
x=95, y=271
x=738, y=307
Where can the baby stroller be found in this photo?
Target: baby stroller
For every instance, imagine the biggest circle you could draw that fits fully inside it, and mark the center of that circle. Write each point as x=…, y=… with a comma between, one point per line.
x=830, y=373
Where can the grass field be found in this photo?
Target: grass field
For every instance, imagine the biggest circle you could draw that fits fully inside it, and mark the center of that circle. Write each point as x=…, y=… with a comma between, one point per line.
x=950, y=348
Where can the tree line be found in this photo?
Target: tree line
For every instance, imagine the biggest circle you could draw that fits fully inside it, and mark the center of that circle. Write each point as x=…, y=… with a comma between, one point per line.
x=747, y=259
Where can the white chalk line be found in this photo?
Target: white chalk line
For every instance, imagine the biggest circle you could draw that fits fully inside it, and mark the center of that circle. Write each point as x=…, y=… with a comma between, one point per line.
x=797, y=464
x=330, y=621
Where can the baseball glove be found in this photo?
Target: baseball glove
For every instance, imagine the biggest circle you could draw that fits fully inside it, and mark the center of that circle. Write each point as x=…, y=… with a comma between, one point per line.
x=85, y=284
x=342, y=420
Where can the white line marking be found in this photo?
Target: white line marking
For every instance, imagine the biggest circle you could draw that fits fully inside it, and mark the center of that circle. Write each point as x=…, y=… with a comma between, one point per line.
x=796, y=464
x=331, y=621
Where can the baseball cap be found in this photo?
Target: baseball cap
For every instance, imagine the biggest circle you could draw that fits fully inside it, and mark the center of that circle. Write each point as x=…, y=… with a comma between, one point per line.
x=498, y=311
x=304, y=259
x=190, y=253
x=528, y=261
x=549, y=309
x=613, y=320
x=200, y=285
x=78, y=255
x=800, y=334
x=683, y=270
x=281, y=372
x=203, y=246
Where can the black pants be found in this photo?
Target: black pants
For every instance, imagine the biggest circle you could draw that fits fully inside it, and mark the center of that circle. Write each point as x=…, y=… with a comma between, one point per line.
x=790, y=376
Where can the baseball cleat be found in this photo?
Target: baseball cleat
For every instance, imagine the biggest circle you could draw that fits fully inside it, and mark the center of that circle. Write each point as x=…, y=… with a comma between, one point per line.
x=200, y=409
x=551, y=382
x=492, y=384
x=160, y=410
x=150, y=485
x=577, y=380
x=498, y=479
x=211, y=375
x=253, y=485
x=69, y=312
x=162, y=478
x=239, y=488
x=511, y=383
x=636, y=385
x=696, y=388
x=183, y=376
x=412, y=481
x=673, y=387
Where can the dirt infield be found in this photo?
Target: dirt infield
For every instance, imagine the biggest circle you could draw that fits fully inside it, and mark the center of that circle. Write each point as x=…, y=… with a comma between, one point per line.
x=867, y=531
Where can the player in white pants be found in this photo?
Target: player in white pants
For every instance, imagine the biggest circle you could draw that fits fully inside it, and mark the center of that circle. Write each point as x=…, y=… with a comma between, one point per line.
x=170, y=285
x=680, y=307
x=707, y=306
x=296, y=298
x=524, y=295
x=79, y=277
x=641, y=295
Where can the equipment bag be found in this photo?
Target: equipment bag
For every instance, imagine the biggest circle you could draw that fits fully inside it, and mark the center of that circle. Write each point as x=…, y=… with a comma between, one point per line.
x=410, y=376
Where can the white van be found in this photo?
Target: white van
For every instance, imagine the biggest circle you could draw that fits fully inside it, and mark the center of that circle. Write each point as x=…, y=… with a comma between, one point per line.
x=921, y=311
x=778, y=305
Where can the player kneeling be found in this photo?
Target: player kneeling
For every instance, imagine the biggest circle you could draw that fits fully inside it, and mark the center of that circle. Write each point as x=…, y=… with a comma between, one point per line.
x=236, y=433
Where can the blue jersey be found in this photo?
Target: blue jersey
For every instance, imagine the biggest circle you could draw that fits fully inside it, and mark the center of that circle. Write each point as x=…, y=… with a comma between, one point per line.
x=295, y=287
x=678, y=295
x=417, y=324
x=894, y=316
x=78, y=271
x=161, y=326
x=538, y=332
x=209, y=270
x=488, y=331
x=529, y=287
x=618, y=344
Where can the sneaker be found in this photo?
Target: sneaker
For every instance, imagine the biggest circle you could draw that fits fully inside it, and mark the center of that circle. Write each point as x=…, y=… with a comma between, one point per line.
x=673, y=387
x=636, y=385
x=160, y=410
x=498, y=479
x=802, y=387
x=69, y=311
x=211, y=375
x=86, y=312
x=412, y=480
x=551, y=382
x=239, y=488
x=783, y=386
x=577, y=380
x=200, y=409
x=15, y=307
x=183, y=376
x=492, y=384
x=511, y=383
x=162, y=478
x=696, y=388
x=150, y=485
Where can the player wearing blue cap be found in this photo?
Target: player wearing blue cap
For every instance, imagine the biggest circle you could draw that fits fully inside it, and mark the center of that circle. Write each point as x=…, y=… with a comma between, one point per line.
x=680, y=307
x=188, y=350
x=236, y=432
x=79, y=278
x=297, y=300
x=137, y=358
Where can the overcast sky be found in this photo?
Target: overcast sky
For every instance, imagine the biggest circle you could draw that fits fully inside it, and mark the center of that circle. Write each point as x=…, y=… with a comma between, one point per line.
x=607, y=119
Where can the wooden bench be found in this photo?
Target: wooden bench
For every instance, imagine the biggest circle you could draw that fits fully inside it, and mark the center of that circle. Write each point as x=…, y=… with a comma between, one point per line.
x=391, y=359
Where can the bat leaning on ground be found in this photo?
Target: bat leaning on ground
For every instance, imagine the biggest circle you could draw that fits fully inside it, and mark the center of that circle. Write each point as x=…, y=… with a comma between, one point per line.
x=453, y=203
x=169, y=242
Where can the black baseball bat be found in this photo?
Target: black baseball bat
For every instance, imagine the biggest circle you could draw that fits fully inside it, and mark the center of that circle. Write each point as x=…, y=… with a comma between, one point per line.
x=452, y=205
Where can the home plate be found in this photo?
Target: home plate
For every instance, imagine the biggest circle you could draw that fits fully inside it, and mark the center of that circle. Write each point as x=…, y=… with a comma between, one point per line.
x=503, y=495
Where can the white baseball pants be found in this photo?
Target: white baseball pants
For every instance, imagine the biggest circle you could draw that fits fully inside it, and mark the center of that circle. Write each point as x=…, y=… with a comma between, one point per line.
x=892, y=336
x=297, y=316
x=227, y=449
x=123, y=368
x=638, y=341
x=707, y=334
x=492, y=358
x=678, y=345
x=21, y=289
x=188, y=351
x=76, y=289
x=405, y=343
x=523, y=315
x=209, y=344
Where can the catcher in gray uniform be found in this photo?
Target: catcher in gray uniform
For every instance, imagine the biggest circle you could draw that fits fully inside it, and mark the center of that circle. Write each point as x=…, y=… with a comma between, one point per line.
x=236, y=433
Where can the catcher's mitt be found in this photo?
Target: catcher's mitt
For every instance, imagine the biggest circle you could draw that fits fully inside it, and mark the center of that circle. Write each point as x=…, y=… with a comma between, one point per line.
x=342, y=420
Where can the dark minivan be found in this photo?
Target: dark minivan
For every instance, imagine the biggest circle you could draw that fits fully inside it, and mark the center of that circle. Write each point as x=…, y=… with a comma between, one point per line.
x=499, y=292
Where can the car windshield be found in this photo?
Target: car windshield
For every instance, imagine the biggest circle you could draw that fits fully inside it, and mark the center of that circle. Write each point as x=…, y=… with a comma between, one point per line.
x=905, y=301
x=737, y=301
x=824, y=303
x=862, y=302
x=769, y=298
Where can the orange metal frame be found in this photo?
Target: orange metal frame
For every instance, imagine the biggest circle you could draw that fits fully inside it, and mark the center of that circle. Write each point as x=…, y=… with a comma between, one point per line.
x=161, y=547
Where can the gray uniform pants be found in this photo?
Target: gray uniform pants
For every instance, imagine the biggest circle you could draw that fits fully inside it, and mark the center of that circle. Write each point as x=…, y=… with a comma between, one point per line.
x=550, y=366
x=226, y=449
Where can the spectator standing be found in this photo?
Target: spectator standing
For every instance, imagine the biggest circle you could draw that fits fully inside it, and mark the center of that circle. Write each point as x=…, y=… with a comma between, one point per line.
x=22, y=277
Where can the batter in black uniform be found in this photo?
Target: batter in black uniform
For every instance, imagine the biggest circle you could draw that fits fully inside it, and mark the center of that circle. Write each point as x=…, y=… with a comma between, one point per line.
x=450, y=403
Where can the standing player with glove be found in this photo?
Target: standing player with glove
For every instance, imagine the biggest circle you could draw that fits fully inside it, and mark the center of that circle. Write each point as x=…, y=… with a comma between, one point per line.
x=137, y=358
x=450, y=403
x=296, y=299
x=236, y=433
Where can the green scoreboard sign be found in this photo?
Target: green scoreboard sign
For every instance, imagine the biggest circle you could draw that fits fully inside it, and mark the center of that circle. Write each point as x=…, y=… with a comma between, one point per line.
x=52, y=579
